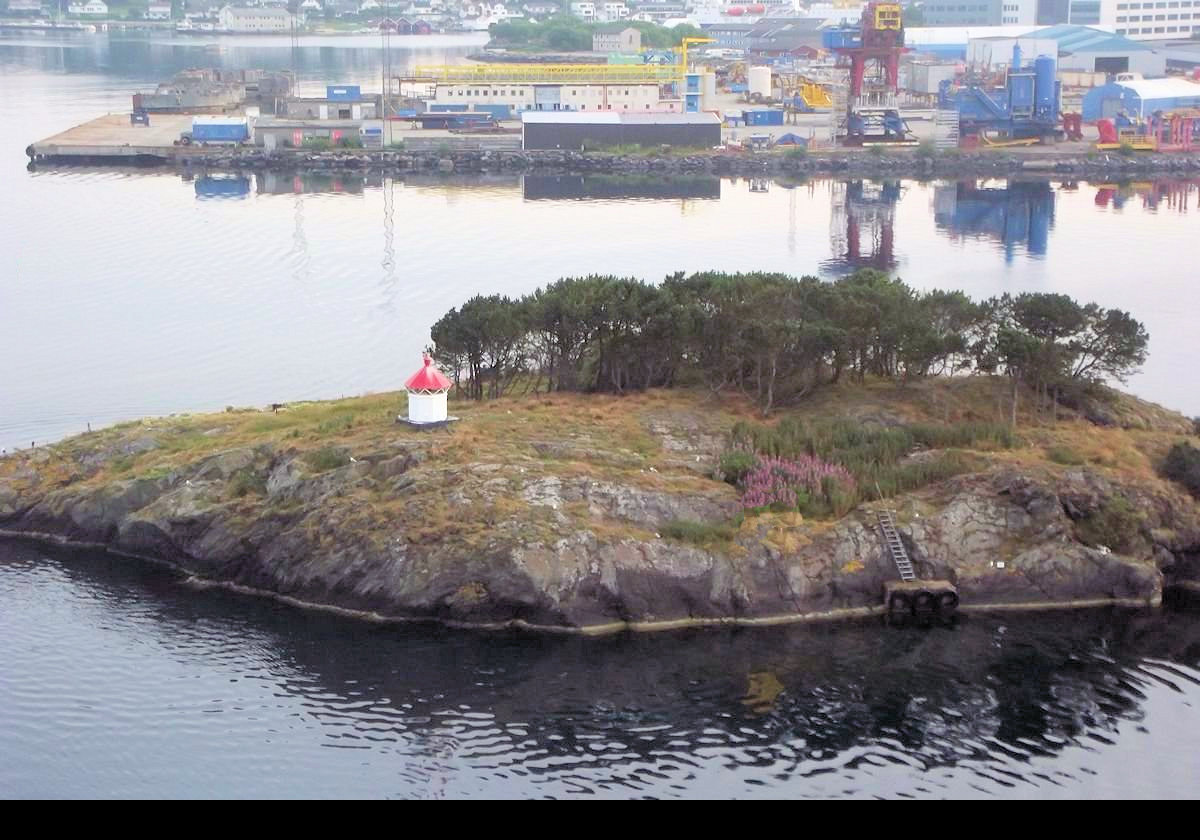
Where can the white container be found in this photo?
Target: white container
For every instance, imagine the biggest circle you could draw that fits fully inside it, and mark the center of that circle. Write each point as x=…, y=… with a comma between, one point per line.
x=760, y=81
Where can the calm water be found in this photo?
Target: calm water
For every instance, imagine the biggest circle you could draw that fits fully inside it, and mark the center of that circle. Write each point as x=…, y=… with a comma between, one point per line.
x=119, y=680
x=124, y=294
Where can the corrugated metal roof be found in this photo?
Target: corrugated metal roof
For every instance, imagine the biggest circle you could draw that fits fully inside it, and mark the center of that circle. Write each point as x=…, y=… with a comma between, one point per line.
x=616, y=117
x=1162, y=88
x=1074, y=39
x=919, y=36
x=576, y=117
x=694, y=118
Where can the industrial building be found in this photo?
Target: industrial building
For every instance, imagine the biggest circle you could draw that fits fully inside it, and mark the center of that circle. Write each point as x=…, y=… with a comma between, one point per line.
x=521, y=97
x=950, y=42
x=274, y=134
x=340, y=102
x=1091, y=50
x=1139, y=98
x=579, y=131
x=642, y=88
x=237, y=19
x=1077, y=48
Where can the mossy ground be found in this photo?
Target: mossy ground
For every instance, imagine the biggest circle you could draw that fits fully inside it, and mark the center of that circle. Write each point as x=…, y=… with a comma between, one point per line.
x=510, y=441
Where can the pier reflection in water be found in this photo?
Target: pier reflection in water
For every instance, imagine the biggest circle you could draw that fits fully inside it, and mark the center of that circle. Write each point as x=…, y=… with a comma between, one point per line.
x=314, y=251
x=163, y=690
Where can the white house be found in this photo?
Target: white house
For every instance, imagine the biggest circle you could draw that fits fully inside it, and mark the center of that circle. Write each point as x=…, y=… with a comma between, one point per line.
x=92, y=8
x=24, y=7
x=240, y=19
x=614, y=11
x=585, y=11
x=368, y=6
x=628, y=40
x=158, y=11
x=310, y=6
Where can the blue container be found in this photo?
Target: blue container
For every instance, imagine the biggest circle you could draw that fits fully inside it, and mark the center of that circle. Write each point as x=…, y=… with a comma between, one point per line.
x=209, y=186
x=1020, y=93
x=841, y=36
x=220, y=132
x=1046, y=95
x=497, y=112
x=343, y=93
x=763, y=116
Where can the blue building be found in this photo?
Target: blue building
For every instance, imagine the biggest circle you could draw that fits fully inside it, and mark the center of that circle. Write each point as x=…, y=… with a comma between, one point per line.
x=1140, y=98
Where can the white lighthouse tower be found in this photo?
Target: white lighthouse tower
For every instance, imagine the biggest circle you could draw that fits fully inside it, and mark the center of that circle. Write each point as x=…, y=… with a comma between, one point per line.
x=427, y=389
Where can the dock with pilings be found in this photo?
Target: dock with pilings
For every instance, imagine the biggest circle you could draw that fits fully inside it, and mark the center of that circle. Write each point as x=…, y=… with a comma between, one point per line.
x=911, y=595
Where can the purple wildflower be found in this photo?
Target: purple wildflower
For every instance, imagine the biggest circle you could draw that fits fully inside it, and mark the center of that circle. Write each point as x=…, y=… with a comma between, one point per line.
x=776, y=481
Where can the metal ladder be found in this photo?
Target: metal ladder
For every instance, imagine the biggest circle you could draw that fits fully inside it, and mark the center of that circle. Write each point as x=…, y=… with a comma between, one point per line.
x=945, y=129
x=891, y=537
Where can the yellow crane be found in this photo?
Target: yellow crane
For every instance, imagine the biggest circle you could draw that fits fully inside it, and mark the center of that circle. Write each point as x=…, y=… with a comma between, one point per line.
x=683, y=50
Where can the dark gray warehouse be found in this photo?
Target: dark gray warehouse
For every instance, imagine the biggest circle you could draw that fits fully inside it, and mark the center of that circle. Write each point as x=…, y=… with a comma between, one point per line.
x=577, y=130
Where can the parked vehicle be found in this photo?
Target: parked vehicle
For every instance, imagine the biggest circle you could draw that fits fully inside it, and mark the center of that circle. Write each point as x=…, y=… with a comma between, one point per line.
x=216, y=130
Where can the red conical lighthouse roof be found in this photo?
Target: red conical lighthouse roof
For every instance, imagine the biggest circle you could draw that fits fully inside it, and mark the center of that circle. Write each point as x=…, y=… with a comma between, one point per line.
x=428, y=378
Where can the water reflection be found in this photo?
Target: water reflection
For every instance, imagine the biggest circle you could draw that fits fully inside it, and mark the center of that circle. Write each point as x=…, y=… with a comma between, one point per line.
x=988, y=705
x=222, y=186
x=862, y=225
x=1021, y=213
x=623, y=187
x=1172, y=194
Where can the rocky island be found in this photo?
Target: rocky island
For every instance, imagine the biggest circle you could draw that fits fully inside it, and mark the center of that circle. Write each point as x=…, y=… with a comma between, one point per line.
x=715, y=448
x=599, y=512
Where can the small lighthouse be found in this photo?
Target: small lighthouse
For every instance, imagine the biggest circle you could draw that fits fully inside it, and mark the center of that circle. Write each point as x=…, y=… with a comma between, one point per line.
x=427, y=389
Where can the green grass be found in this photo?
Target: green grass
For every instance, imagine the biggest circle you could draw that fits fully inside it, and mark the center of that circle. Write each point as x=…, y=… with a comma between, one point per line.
x=246, y=483
x=1117, y=525
x=1065, y=455
x=326, y=458
x=699, y=533
x=875, y=455
x=734, y=465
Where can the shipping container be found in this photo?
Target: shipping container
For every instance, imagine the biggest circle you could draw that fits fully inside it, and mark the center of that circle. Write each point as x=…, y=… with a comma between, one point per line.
x=763, y=116
x=220, y=130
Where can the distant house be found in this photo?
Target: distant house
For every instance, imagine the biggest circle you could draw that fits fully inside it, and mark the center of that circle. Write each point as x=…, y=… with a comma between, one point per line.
x=24, y=7
x=627, y=40
x=239, y=19
x=92, y=8
x=310, y=6
x=368, y=6
x=541, y=8
x=158, y=11
x=584, y=10
x=613, y=11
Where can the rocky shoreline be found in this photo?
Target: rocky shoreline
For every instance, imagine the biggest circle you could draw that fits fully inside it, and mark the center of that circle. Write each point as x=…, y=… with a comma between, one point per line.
x=857, y=163
x=500, y=525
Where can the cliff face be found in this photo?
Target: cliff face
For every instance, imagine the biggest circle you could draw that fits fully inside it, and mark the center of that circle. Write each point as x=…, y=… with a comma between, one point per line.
x=549, y=512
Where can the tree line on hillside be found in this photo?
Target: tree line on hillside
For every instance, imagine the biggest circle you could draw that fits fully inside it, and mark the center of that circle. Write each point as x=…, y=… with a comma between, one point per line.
x=777, y=337
x=570, y=34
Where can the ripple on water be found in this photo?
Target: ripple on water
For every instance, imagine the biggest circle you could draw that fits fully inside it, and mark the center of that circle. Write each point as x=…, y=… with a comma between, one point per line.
x=117, y=680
